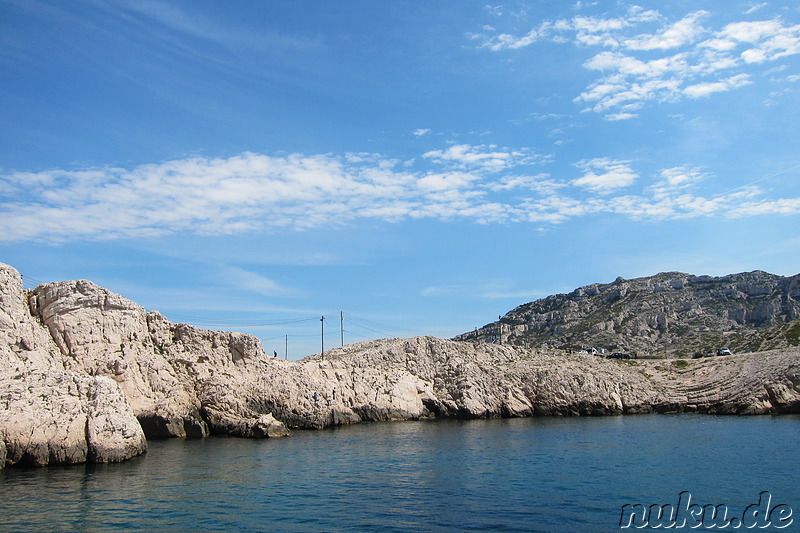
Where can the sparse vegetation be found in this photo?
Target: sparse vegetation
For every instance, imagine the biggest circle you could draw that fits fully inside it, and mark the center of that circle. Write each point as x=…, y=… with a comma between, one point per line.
x=793, y=333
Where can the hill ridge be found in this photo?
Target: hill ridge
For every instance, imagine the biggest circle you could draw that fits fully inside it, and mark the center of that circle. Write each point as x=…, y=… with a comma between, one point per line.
x=671, y=313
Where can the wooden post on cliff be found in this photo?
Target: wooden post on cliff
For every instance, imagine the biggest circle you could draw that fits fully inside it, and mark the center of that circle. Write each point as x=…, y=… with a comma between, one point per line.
x=322, y=336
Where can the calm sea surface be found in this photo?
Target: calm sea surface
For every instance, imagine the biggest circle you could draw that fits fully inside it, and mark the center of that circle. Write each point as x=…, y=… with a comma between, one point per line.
x=535, y=474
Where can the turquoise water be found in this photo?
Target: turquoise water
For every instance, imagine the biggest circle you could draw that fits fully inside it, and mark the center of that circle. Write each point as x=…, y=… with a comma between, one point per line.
x=535, y=474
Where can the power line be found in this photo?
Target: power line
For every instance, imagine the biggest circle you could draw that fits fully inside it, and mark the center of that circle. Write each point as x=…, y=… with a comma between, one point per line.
x=30, y=282
x=380, y=328
x=200, y=321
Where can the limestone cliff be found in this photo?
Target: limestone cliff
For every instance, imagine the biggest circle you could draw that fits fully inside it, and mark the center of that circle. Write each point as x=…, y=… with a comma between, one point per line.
x=180, y=381
x=426, y=376
x=49, y=414
x=85, y=374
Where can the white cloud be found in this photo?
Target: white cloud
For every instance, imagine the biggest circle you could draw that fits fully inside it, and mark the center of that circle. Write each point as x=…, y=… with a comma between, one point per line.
x=594, y=25
x=252, y=192
x=620, y=116
x=751, y=32
x=782, y=206
x=446, y=181
x=419, y=132
x=676, y=181
x=539, y=183
x=681, y=59
x=685, y=31
x=719, y=44
x=768, y=40
x=557, y=209
x=603, y=175
x=588, y=30
x=705, y=89
x=630, y=66
x=486, y=157
x=507, y=41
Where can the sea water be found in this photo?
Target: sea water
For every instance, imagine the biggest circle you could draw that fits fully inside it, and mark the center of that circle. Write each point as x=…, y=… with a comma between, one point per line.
x=531, y=474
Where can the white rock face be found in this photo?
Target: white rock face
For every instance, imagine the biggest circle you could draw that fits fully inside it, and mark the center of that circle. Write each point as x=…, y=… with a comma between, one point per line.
x=57, y=417
x=49, y=414
x=425, y=376
x=101, y=333
x=181, y=381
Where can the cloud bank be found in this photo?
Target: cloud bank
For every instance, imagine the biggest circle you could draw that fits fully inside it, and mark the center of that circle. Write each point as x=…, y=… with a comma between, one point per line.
x=673, y=61
x=253, y=192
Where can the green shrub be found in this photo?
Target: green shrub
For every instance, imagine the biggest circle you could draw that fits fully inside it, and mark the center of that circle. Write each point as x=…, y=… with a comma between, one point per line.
x=793, y=334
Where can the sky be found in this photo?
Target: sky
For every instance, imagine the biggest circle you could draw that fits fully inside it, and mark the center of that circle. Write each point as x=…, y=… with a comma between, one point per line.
x=413, y=168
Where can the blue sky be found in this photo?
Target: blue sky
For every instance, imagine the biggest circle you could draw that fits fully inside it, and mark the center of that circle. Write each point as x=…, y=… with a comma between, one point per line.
x=420, y=167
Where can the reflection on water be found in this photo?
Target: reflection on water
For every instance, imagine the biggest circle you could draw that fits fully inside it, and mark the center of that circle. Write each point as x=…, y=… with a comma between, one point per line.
x=539, y=474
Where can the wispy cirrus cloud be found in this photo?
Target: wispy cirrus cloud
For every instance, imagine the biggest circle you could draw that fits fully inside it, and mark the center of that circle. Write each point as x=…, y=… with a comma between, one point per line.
x=667, y=62
x=154, y=15
x=252, y=192
x=256, y=283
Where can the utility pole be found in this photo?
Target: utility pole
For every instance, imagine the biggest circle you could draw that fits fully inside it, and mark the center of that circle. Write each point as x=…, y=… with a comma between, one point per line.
x=322, y=336
x=341, y=325
x=500, y=330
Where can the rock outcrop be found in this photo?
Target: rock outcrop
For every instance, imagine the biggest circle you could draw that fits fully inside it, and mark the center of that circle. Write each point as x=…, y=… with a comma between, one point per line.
x=181, y=381
x=670, y=313
x=49, y=414
x=86, y=374
x=426, y=376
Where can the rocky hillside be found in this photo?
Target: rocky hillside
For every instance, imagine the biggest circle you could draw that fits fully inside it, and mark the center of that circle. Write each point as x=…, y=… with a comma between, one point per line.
x=87, y=375
x=672, y=314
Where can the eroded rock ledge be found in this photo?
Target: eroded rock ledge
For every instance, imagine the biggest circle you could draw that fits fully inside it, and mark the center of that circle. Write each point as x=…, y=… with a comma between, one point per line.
x=86, y=374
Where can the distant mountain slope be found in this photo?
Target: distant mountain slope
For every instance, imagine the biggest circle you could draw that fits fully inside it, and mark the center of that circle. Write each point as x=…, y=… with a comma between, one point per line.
x=670, y=313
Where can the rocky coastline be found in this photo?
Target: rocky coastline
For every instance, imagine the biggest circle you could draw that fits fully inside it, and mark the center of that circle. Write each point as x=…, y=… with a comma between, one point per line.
x=87, y=375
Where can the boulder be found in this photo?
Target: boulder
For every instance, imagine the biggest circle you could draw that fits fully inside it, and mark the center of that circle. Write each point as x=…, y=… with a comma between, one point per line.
x=56, y=417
